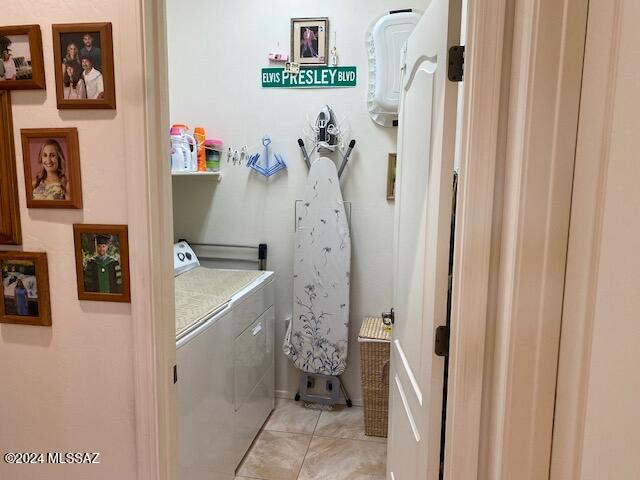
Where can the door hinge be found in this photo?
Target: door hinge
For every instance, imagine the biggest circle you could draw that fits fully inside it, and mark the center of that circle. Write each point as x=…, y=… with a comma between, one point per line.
x=175, y=374
x=442, y=341
x=389, y=318
x=455, y=71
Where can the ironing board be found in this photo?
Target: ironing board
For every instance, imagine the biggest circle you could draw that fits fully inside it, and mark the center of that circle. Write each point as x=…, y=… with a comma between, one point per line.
x=317, y=336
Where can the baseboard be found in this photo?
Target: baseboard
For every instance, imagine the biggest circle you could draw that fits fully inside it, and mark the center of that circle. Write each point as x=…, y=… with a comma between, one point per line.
x=289, y=395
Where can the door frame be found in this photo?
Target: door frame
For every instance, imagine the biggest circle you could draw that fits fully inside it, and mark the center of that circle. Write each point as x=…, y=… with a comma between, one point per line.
x=531, y=219
x=490, y=433
x=483, y=79
x=154, y=327
x=587, y=217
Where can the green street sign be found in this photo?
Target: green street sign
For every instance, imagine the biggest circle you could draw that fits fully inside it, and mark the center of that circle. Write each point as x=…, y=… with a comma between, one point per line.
x=314, y=77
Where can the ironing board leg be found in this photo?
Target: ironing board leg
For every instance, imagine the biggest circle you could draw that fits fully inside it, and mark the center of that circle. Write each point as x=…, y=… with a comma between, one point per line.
x=344, y=391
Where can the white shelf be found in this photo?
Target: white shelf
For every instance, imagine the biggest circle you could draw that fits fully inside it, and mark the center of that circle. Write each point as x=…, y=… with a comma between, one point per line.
x=196, y=174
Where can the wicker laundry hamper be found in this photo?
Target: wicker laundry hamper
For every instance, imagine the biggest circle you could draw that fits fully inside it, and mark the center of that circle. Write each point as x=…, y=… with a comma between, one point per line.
x=375, y=342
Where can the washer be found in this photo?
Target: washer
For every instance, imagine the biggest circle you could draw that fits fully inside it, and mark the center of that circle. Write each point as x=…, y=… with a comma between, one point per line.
x=225, y=363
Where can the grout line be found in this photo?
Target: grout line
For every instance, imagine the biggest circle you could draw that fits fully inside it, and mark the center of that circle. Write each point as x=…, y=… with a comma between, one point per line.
x=317, y=422
x=355, y=439
x=304, y=457
x=308, y=446
x=288, y=431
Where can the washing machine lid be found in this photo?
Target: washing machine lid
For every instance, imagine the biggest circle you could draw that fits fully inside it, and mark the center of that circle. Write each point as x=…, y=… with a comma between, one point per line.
x=201, y=291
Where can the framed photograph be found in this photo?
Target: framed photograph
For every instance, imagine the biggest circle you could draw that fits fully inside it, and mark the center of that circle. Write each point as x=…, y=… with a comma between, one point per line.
x=83, y=62
x=310, y=41
x=391, y=177
x=102, y=262
x=51, y=158
x=9, y=205
x=25, y=288
x=22, y=65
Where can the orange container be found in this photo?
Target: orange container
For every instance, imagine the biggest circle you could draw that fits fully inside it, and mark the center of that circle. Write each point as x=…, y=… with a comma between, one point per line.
x=200, y=136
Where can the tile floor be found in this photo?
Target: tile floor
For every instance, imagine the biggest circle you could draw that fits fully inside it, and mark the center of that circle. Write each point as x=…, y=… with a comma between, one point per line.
x=299, y=443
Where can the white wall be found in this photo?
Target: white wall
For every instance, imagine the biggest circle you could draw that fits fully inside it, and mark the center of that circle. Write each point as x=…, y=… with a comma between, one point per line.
x=70, y=387
x=216, y=51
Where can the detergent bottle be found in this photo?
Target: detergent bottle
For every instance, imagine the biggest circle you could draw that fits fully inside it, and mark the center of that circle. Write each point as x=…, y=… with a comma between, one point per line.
x=200, y=137
x=185, y=148
x=180, y=154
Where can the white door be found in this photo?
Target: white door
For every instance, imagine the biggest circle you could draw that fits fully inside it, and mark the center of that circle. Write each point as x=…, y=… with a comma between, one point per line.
x=422, y=239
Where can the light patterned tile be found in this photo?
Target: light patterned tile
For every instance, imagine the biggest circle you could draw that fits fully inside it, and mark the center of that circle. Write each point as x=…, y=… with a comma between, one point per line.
x=294, y=417
x=343, y=459
x=275, y=456
x=344, y=422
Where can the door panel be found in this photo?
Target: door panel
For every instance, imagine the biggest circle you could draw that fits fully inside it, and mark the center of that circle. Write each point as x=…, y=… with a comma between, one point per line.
x=426, y=147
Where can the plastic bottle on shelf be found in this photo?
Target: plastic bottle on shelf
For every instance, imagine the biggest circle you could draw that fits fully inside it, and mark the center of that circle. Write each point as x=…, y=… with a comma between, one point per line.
x=214, y=152
x=200, y=137
x=179, y=151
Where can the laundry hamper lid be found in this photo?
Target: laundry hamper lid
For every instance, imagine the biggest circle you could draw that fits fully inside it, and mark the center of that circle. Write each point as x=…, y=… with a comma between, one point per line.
x=373, y=330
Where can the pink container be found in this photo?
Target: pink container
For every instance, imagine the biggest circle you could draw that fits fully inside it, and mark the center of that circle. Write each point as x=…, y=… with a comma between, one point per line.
x=213, y=149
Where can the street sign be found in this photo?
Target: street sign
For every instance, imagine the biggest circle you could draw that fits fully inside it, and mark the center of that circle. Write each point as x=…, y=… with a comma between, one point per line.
x=312, y=77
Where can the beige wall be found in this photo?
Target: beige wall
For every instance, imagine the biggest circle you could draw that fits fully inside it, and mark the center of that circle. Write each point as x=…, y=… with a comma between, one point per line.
x=597, y=434
x=70, y=387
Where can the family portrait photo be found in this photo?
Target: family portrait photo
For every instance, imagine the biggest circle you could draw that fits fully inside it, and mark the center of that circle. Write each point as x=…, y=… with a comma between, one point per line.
x=25, y=288
x=52, y=168
x=21, y=61
x=102, y=262
x=84, y=53
x=309, y=40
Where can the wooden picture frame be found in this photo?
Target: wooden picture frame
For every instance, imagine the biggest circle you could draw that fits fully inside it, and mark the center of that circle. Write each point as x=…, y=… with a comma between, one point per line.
x=28, y=65
x=391, y=176
x=99, y=80
x=61, y=147
x=314, y=51
x=98, y=271
x=10, y=232
x=25, y=288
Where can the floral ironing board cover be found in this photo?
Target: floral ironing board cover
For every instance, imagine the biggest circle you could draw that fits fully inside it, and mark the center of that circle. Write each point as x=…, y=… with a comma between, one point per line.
x=318, y=334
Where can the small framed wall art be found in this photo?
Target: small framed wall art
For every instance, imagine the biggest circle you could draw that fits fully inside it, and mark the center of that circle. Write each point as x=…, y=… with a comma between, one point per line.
x=102, y=262
x=391, y=176
x=51, y=158
x=25, y=288
x=83, y=62
x=22, y=65
x=310, y=41
x=9, y=206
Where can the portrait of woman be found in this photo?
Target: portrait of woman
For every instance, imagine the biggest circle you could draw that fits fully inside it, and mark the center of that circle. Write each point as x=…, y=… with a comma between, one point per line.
x=74, y=86
x=72, y=55
x=52, y=161
x=21, y=297
x=20, y=288
x=25, y=288
x=50, y=182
